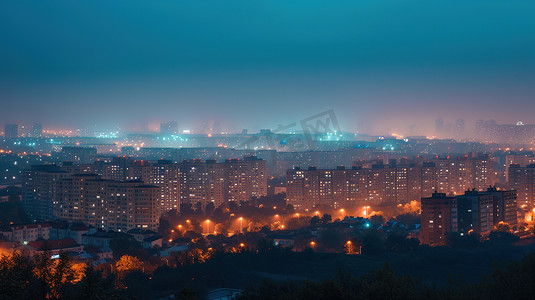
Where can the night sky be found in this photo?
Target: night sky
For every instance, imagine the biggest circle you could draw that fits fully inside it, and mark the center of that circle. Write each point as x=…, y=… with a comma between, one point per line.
x=381, y=65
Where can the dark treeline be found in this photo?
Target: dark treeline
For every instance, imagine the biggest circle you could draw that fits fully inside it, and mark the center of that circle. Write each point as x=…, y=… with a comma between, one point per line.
x=273, y=272
x=433, y=271
x=514, y=281
x=41, y=277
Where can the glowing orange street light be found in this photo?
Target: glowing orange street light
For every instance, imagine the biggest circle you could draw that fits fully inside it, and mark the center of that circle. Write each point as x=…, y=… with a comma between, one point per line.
x=317, y=213
x=312, y=244
x=179, y=227
x=297, y=215
x=348, y=244
x=170, y=240
x=242, y=245
x=276, y=216
x=241, y=224
x=207, y=226
x=188, y=221
x=282, y=226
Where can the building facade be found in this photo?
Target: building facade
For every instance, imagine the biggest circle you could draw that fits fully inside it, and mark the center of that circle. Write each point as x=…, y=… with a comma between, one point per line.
x=474, y=212
x=436, y=219
x=393, y=183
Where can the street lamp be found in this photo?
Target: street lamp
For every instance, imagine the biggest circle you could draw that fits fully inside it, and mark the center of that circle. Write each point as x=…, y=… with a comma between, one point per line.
x=241, y=224
x=348, y=244
x=207, y=227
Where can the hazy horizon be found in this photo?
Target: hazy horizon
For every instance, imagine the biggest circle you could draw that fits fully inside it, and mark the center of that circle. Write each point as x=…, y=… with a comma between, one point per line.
x=381, y=66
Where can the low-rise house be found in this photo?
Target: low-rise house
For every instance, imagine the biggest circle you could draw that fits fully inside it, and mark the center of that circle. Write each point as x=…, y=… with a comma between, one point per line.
x=152, y=242
x=25, y=233
x=100, y=239
x=54, y=246
x=141, y=234
x=62, y=230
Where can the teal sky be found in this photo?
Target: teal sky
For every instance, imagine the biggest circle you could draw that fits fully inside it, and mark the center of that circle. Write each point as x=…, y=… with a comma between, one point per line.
x=381, y=65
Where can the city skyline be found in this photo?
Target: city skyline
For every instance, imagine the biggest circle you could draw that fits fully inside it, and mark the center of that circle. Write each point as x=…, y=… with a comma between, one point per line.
x=454, y=128
x=267, y=149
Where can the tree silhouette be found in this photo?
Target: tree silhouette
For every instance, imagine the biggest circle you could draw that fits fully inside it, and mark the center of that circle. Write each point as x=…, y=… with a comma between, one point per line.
x=326, y=219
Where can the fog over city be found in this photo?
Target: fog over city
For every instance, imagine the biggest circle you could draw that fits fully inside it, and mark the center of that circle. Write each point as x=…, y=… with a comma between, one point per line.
x=384, y=67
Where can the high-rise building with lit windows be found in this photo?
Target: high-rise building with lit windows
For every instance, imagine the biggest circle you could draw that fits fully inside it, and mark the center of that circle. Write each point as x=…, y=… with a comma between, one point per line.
x=258, y=175
x=132, y=204
x=209, y=181
x=295, y=188
x=428, y=181
x=73, y=197
x=107, y=204
x=202, y=182
x=357, y=183
x=474, y=212
x=519, y=160
x=505, y=206
x=394, y=183
x=39, y=191
x=436, y=218
x=482, y=171
x=522, y=179
x=165, y=175
x=118, y=169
